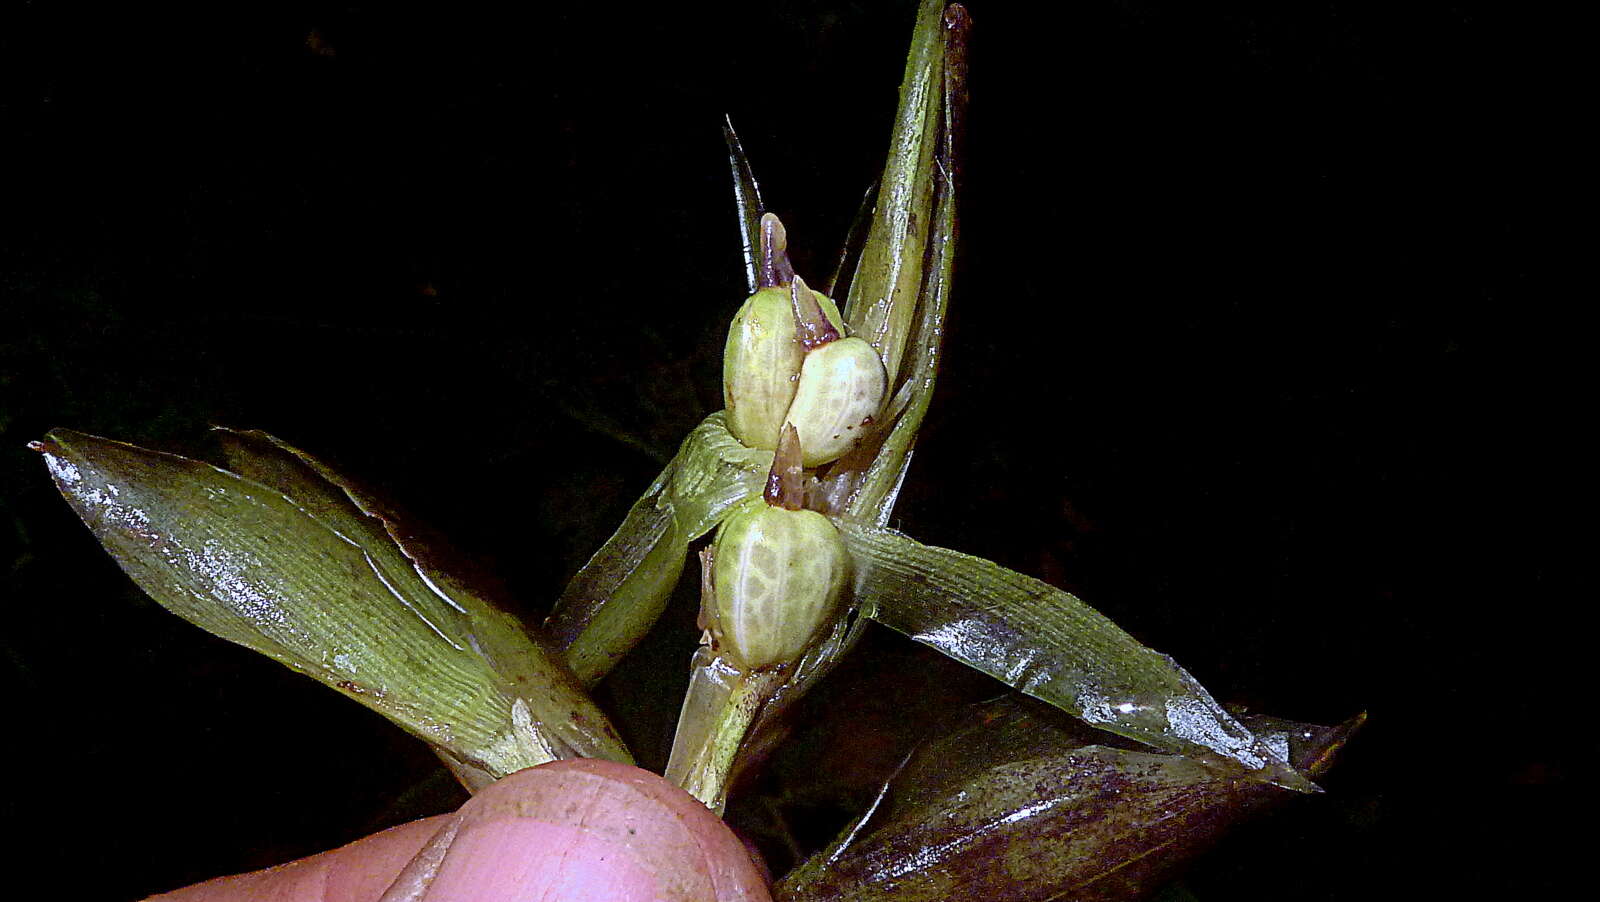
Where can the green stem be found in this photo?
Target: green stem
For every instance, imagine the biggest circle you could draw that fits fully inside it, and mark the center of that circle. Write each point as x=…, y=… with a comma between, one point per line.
x=718, y=709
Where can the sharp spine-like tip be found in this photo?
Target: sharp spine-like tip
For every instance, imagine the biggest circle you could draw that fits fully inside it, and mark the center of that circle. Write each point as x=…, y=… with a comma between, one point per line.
x=811, y=324
x=786, y=480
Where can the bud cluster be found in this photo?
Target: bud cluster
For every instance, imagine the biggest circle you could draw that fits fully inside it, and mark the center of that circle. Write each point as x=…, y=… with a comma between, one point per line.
x=788, y=362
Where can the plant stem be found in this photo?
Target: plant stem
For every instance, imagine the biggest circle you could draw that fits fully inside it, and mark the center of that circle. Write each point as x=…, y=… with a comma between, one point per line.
x=718, y=709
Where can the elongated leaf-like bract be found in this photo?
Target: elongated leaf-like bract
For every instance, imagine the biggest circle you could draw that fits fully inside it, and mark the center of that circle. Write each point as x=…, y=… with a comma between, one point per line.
x=322, y=588
x=889, y=276
x=1018, y=803
x=1050, y=645
x=618, y=595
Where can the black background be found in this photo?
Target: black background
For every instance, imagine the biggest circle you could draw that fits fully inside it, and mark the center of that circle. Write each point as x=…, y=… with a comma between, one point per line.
x=1251, y=348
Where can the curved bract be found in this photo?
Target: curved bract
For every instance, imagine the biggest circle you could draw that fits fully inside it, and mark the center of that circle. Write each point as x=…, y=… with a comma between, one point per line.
x=618, y=595
x=1049, y=644
x=296, y=570
x=1016, y=802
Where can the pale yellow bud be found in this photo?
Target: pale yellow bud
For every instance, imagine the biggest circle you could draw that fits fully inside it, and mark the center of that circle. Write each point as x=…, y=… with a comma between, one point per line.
x=761, y=364
x=777, y=576
x=841, y=390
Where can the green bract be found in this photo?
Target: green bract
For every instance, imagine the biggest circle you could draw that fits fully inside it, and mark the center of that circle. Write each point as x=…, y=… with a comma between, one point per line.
x=296, y=565
x=622, y=590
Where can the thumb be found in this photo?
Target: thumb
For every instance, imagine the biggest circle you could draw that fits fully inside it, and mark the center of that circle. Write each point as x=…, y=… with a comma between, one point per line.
x=358, y=872
x=582, y=830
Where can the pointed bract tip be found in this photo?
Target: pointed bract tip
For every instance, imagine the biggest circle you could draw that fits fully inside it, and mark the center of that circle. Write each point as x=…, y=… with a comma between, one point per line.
x=786, y=479
x=811, y=324
x=1287, y=777
x=1329, y=743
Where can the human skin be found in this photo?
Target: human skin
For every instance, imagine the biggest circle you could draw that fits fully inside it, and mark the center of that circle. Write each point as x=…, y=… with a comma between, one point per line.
x=581, y=830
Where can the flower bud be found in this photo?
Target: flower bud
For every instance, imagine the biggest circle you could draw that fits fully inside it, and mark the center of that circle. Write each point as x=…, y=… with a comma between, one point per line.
x=776, y=574
x=786, y=362
x=841, y=389
x=761, y=364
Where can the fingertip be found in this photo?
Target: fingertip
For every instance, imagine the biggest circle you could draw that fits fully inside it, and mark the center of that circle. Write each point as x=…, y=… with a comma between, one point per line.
x=586, y=830
x=358, y=872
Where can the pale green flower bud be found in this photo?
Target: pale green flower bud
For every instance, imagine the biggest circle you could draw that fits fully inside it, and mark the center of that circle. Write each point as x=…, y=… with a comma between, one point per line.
x=761, y=364
x=841, y=390
x=786, y=362
x=777, y=573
